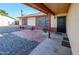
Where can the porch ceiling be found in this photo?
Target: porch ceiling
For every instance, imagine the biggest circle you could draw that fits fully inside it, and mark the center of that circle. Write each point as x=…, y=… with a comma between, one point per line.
x=58, y=8
x=53, y=8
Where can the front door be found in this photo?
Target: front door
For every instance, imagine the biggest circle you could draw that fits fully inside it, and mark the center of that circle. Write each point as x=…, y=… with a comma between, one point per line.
x=61, y=24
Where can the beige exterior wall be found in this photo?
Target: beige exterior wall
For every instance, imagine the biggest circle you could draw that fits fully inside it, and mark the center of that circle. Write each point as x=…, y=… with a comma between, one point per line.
x=73, y=27
x=53, y=21
x=31, y=21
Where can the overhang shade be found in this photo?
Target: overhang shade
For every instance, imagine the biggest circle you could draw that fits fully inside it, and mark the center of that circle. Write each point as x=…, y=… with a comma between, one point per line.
x=40, y=7
x=52, y=8
x=58, y=8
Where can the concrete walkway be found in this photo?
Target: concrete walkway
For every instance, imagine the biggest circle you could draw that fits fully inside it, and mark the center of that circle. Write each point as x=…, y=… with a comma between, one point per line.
x=52, y=46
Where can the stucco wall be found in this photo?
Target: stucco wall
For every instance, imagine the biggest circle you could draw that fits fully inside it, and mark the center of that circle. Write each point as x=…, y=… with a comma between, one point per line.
x=31, y=21
x=73, y=27
x=6, y=21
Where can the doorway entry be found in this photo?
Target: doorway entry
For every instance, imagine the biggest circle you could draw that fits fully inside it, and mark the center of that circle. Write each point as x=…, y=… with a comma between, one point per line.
x=61, y=24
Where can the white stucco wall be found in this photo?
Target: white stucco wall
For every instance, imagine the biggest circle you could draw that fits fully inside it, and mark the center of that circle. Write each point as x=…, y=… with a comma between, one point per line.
x=73, y=27
x=53, y=21
x=31, y=21
x=6, y=21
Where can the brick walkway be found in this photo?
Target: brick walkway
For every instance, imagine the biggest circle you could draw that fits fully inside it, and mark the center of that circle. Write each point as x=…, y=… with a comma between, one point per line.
x=31, y=35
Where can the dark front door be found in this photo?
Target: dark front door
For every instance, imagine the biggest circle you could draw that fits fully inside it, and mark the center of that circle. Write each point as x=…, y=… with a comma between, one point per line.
x=61, y=24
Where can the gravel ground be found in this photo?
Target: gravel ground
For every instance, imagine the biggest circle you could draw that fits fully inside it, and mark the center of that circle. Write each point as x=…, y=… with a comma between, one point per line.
x=9, y=29
x=13, y=45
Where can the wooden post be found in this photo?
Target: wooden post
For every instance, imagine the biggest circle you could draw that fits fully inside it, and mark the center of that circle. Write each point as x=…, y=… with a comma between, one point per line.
x=49, y=25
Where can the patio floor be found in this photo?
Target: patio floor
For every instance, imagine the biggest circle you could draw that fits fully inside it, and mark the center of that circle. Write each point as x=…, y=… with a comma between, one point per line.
x=16, y=41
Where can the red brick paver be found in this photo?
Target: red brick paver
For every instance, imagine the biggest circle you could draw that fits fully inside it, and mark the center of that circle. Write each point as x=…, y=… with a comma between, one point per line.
x=32, y=35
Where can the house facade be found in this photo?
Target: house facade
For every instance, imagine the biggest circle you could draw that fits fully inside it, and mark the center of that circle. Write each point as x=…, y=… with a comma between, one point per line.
x=38, y=21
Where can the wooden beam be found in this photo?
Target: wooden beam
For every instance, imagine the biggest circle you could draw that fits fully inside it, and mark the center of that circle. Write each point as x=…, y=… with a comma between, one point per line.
x=40, y=7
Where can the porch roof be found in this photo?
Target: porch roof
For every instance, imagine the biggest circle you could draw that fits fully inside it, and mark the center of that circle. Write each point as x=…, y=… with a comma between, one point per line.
x=52, y=8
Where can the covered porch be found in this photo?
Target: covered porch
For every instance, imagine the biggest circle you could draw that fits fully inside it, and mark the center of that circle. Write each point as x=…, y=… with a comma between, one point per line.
x=33, y=40
x=52, y=15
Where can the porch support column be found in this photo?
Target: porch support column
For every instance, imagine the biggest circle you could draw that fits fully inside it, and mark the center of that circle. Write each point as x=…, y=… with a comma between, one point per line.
x=49, y=25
